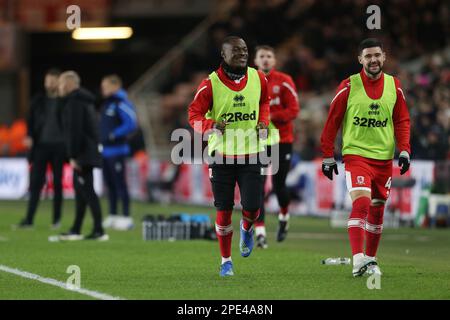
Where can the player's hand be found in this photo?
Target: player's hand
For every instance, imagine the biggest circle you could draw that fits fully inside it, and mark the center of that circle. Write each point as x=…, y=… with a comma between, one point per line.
x=328, y=166
x=75, y=165
x=262, y=130
x=220, y=126
x=403, y=162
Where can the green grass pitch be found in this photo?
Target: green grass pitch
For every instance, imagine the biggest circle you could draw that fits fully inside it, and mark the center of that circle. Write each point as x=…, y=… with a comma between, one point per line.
x=415, y=263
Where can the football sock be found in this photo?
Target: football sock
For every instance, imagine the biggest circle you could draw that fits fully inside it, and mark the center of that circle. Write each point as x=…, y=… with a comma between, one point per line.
x=374, y=228
x=260, y=230
x=283, y=217
x=356, y=224
x=248, y=218
x=225, y=259
x=284, y=210
x=224, y=232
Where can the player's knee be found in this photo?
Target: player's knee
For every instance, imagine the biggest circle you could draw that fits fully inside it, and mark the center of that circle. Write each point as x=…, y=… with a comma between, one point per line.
x=223, y=206
x=251, y=204
x=223, y=217
x=251, y=214
x=361, y=205
x=252, y=210
x=356, y=194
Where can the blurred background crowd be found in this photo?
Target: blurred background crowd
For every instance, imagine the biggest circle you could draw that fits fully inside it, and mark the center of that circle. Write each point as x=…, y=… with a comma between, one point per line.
x=177, y=43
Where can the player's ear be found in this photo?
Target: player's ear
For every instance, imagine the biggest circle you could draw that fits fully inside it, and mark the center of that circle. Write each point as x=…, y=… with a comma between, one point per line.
x=360, y=59
x=384, y=56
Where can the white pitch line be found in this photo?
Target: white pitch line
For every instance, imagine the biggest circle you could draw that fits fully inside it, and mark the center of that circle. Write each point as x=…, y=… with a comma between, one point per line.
x=56, y=283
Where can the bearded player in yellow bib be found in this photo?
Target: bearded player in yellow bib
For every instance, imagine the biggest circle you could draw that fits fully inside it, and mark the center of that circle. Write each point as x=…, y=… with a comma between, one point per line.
x=372, y=109
x=233, y=100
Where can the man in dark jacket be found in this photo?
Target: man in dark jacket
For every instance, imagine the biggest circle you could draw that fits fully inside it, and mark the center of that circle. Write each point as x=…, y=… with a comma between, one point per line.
x=118, y=121
x=82, y=147
x=46, y=140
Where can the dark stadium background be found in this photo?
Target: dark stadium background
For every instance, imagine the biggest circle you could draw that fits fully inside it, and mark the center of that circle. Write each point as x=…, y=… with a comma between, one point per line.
x=316, y=43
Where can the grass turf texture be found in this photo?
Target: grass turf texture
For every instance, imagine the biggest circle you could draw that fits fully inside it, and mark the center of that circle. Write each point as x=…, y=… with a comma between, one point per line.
x=415, y=263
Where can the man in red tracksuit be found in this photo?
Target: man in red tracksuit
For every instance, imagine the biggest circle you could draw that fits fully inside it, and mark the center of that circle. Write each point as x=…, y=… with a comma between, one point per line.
x=284, y=108
x=234, y=96
x=372, y=109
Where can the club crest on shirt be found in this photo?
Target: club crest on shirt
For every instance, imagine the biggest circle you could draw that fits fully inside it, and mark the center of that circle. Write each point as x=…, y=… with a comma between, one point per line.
x=276, y=89
x=360, y=180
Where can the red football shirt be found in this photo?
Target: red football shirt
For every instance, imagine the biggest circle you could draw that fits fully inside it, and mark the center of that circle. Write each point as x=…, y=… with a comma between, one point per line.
x=284, y=105
x=374, y=89
x=203, y=99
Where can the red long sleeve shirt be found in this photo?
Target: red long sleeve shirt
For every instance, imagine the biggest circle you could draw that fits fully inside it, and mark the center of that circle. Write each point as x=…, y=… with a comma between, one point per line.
x=203, y=100
x=284, y=105
x=374, y=89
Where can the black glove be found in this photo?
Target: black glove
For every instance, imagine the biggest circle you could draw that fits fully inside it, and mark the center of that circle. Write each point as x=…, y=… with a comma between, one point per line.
x=403, y=162
x=220, y=126
x=328, y=166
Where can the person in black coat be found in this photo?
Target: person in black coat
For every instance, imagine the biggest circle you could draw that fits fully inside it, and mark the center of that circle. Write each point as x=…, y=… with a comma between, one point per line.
x=45, y=139
x=81, y=138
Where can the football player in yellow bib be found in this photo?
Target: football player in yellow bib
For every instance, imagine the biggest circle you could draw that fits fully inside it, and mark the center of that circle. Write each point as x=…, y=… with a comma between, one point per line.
x=372, y=110
x=233, y=103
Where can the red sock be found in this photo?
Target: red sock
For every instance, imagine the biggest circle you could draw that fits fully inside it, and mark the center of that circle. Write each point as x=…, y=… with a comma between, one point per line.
x=374, y=227
x=356, y=224
x=259, y=224
x=284, y=210
x=248, y=218
x=224, y=232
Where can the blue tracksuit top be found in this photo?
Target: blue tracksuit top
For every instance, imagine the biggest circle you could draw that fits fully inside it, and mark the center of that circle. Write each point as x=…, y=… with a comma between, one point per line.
x=118, y=120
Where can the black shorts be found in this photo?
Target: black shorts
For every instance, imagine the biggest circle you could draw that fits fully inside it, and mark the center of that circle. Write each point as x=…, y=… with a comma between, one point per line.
x=284, y=153
x=249, y=179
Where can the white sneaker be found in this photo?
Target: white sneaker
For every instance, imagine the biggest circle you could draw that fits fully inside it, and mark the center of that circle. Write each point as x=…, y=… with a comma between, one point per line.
x=123, y=223
x=97, y=237
x=70, y=237
x=373, y=268
x=109, y=222
x=104, y=237
x=361, y=268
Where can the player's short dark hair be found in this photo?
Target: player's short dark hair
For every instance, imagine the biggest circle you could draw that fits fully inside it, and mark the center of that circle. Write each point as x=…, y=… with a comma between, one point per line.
x=369, y=43
x=264, y=47
x=230, y=39
x=114, y=79
x=53, y=72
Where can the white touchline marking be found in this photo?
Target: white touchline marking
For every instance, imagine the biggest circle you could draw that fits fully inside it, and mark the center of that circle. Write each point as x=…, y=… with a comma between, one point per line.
x=56, y=283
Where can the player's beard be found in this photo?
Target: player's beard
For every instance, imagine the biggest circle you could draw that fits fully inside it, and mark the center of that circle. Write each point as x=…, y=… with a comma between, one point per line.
x=234, y=73
x=374, y=74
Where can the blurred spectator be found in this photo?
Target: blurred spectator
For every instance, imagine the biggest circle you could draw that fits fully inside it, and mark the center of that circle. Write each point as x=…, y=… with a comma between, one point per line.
x=45, y=137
